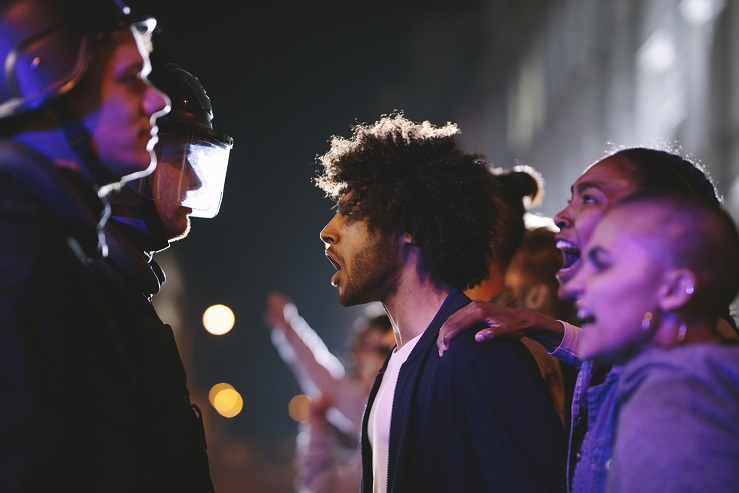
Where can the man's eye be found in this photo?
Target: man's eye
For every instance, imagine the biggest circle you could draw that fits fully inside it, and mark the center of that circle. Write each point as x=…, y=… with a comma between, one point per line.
x=131, y=77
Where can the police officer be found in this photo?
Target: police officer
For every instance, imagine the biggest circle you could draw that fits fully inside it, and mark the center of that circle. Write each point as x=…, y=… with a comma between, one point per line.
x=146, y=215
x=92, y=393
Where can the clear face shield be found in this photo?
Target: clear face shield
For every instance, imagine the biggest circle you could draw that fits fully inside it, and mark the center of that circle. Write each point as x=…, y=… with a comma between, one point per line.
x=190, y=173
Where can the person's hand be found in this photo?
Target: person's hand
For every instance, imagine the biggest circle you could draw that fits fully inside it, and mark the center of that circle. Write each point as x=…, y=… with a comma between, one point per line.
x=500, y=320
x=280, y=310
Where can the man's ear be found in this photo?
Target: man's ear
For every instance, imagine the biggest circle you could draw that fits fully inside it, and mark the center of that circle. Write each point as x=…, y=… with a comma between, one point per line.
x=677, y=289
x=538, y=296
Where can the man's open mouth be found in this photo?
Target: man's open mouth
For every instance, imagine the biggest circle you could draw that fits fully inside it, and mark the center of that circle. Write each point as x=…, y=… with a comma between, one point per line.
x=333, y=261
x=337, y=266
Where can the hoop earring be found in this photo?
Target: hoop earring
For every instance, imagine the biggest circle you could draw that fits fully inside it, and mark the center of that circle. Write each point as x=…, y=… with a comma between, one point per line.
x=646, y=322
x=681, y=333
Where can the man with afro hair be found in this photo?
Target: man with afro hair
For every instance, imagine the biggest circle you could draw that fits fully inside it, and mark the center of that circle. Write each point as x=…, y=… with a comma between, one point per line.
x=416, y=223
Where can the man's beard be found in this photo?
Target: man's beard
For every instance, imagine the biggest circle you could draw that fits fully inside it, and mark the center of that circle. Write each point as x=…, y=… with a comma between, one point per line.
x=374, y=270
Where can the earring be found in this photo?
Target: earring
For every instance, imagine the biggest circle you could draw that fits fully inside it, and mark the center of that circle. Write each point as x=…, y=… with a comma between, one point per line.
x=689, y=289
x=681, y=333
x=646, y=322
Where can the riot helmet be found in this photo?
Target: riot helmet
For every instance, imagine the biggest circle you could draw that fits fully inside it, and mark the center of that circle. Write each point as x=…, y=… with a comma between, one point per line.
x=192, y=155
x=46, y=47
x=191, y=165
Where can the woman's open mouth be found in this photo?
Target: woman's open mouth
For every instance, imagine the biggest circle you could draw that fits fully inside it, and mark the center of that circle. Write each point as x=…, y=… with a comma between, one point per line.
x=585, y=316
x=570, y=260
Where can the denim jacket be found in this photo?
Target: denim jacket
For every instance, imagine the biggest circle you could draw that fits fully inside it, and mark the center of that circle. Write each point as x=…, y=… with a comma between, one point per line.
x=593, y=422
x=593, y=419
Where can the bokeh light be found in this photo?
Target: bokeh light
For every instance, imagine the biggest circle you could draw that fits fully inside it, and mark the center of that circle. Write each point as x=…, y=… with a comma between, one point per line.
x=216, y=389
x=227, y=401
x=218, y=319
x=297, y=408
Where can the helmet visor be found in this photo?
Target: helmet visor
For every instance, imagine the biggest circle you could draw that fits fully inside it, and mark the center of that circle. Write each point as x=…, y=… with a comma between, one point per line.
x=190, y=173
x=48, y=52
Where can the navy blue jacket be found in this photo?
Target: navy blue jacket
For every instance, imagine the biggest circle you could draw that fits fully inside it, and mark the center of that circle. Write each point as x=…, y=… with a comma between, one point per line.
x=478, y=419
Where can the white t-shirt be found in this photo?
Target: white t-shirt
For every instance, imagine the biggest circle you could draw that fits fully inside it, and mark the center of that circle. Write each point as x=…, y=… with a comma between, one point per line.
x=378, y=427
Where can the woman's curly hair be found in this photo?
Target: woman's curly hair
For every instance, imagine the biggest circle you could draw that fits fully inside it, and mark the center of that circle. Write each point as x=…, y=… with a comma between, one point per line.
x=412, y=178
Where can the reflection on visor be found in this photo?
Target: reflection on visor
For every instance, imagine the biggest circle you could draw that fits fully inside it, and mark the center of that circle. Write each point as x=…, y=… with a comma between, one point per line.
x=209, y=162
x=190, y=173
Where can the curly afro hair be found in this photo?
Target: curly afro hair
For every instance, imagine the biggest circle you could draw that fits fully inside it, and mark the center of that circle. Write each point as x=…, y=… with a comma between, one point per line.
x=412, y=178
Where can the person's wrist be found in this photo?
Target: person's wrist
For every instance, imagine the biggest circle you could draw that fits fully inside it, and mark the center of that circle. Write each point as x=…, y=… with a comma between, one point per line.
x=318, y=421
x=547, y=331
x=533, y=321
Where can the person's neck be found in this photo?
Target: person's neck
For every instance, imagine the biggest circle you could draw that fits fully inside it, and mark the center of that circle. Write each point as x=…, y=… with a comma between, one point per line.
x=675, y=331
x=490, y=286
x=52, y=143
x=414, y=304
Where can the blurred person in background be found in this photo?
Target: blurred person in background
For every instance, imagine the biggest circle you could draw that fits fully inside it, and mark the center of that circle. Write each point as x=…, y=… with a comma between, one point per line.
x=531, y=283
x=522, y=188
x=328, y=455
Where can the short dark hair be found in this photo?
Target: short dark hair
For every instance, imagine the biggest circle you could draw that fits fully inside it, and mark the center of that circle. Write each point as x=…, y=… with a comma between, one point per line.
x=664, y=170
x=701, y=236
x=413, y=178
x=521, y=188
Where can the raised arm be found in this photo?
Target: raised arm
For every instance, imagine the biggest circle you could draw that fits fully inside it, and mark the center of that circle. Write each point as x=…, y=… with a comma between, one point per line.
x=317, y=370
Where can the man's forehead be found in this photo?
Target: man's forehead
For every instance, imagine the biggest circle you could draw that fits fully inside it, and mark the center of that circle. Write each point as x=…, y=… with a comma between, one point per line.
x=127, y=50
